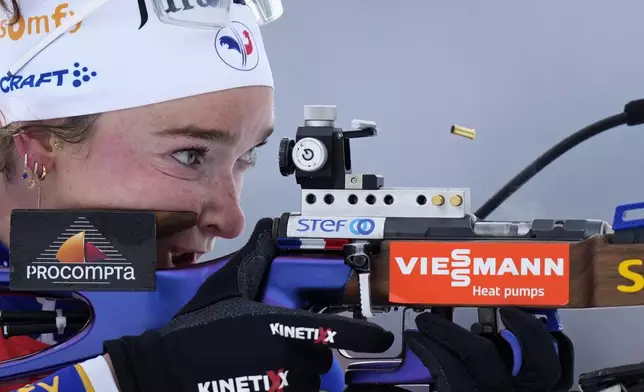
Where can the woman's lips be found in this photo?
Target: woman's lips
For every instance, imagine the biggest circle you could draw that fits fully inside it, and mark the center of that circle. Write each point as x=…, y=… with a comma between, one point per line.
x=174, y=259
x=175, y=256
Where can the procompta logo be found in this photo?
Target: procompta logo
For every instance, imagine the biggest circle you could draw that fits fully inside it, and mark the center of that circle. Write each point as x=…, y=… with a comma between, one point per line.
x=69, y=250
x=81, y=254
x=37, y=25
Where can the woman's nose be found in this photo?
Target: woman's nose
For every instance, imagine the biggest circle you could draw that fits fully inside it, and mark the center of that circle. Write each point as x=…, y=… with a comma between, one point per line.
x=222, y=215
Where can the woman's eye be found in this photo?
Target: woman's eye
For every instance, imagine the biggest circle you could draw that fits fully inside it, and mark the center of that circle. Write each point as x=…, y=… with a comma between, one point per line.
x=189, y=157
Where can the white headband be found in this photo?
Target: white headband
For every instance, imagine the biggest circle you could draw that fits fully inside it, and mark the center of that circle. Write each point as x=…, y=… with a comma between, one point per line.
x=107, y=63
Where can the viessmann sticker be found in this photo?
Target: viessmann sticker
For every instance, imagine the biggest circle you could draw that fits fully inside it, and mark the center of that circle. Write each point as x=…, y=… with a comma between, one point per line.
x=457, y=273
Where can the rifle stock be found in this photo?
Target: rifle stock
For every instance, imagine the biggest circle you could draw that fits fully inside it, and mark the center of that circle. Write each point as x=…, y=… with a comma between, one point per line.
x=601, y=277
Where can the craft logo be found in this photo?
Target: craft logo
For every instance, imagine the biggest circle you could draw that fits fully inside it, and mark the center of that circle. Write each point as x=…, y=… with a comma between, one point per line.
x=478, y=273
x=318, y=335
x=271, y=381
x=236, y=47
x=74, y=76
x=37, y=25
x=81, y=255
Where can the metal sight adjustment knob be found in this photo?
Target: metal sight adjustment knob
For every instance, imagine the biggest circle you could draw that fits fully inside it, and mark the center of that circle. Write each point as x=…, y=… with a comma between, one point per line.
x=285, y=160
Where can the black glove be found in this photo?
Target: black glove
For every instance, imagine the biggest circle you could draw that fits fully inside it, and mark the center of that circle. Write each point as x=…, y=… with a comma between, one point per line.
x=223, y=338
x=461, y=361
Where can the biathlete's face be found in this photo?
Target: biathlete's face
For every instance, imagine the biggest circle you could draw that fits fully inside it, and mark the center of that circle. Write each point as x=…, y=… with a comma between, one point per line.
x=184, y=155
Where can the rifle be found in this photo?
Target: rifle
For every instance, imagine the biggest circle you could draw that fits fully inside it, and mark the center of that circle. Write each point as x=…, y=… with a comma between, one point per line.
x=341, y=253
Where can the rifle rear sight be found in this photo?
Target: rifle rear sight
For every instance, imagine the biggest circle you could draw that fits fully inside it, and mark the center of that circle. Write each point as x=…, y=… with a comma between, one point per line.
x=320, y=157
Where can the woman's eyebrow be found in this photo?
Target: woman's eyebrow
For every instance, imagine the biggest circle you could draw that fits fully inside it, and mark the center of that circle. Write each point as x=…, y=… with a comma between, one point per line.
x=208, y=134
x=195, y=132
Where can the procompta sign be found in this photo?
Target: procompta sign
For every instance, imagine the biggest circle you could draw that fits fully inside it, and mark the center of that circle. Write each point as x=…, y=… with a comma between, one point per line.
x=479, y=273
x=82, y=250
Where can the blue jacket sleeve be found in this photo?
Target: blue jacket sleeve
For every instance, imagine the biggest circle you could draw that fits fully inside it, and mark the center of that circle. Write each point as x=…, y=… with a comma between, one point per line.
x=93, y=375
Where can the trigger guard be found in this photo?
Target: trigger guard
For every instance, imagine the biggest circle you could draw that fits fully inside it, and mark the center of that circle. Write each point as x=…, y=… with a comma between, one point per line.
x=517, y=354
x=515, y=346
x=556, y=344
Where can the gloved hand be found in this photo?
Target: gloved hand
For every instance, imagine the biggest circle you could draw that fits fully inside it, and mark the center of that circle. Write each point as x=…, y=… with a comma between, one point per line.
x=461, y=361
x=223, y=339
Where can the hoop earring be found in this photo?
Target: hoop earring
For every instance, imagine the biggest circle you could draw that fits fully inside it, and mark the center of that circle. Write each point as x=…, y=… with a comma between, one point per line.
x=34, y=178
x=41, y=178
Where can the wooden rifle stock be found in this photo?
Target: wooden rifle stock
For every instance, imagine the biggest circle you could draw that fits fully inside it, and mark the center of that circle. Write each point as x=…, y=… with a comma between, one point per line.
x=172, y=222
x=594, y=275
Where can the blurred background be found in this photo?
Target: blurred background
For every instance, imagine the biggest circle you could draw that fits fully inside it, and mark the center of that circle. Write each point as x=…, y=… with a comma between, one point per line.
x=523, y=74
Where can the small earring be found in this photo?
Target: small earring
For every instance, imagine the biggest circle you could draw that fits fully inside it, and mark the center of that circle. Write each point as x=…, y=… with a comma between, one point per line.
x=25, y=173
x=34, y=178
x=41, y=178
x=58, y=145
x=30, y=175
x=34, y=175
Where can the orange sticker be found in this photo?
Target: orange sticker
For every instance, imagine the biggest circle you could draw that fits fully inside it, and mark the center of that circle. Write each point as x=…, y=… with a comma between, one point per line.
x=479, y=273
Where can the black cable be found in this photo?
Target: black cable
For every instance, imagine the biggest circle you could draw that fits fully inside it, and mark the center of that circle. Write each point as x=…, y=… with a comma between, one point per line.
x=11, y=330
x=41, y=316
x=555, y=152
x=633, y=114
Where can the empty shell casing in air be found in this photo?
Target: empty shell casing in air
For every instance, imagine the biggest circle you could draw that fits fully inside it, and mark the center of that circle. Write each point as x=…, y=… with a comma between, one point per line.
x=469, y=133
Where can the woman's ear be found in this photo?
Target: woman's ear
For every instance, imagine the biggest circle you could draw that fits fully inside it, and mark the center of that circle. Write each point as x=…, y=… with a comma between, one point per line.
x=38, y=145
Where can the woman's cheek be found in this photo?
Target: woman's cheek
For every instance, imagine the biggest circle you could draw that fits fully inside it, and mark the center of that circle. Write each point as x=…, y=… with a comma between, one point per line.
x=174, y=170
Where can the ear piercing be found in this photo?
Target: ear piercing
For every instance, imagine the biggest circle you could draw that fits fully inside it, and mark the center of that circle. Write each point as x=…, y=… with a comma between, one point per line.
x=58, y=145
x=33, y=177
x=25, y=173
